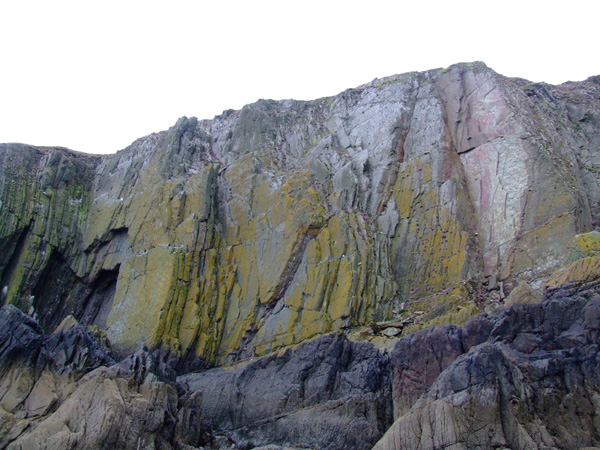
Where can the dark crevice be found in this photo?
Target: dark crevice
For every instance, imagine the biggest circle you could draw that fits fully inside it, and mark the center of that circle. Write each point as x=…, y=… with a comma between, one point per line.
x=99, y=302
x=57, y=293
x=11, y=264
x=470, y=149
x=115, y=235
x=291, y=267
x=190, y=362
x=117, y=232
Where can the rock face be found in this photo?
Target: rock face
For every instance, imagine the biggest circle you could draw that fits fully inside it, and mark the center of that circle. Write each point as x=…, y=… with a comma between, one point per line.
x=66, y=391
x=239, y=248
x=526, y=379
x=230, y=238
x=328, y=393
x=57, y=393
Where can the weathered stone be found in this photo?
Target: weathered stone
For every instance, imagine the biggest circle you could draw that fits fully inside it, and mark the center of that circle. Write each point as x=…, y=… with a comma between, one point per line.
x=231, y=238
x=107, y=412
x=523, y=293
x=56, y=393
x=66, y=323
x=582, y=245
x=534, y=367
x=392, y=331
x=326, y=393
x=21, y=337
x=417, y=361
x=583, y=270
x=527, y=383
x=223, y=240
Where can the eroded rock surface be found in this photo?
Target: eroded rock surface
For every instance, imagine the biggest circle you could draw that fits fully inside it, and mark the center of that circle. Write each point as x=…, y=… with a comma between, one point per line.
x=526, y=379
x=65, y=391
x=224, y=239
x=328, y=393
x=200, y=279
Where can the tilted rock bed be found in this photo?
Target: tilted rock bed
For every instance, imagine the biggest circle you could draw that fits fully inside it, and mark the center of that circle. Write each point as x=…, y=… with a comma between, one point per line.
x=238, y=236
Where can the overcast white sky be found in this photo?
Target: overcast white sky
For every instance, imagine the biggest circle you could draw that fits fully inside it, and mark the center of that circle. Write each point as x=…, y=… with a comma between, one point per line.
x=95, y=76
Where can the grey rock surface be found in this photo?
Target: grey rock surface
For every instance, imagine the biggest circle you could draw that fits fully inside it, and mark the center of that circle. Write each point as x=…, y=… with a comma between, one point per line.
x=527, y=381
x=527, y=378
x=64, y=391
x=206, y=272
x=327, y=393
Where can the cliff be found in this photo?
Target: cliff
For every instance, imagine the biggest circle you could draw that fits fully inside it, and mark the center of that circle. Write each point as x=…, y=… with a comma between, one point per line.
x=412, y=201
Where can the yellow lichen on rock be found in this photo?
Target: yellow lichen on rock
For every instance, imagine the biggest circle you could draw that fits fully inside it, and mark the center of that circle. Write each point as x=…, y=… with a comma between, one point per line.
x=212, y=310
x=538, y=252
x=232, y=237
x=582, y=245
x=140, y=299
x=524, y=294
x=453, y=305
x=583, y=270
x=335, y=285
x=432, y=242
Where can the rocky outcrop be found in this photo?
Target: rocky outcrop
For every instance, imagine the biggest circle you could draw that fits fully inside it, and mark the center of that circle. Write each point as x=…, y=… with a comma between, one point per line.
x=328, y=393
x=224, y=239
x=65, y=391
x=44, y=200
x=230, y=238
x=525, y=379
x=191, y=289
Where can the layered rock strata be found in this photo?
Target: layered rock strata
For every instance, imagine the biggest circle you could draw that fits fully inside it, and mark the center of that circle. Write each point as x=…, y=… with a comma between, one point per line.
x=225, y=239
x=65, y=391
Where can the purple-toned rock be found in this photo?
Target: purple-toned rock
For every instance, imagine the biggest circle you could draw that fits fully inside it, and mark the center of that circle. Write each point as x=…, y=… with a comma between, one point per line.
x=530, y=383
x=419, y=359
